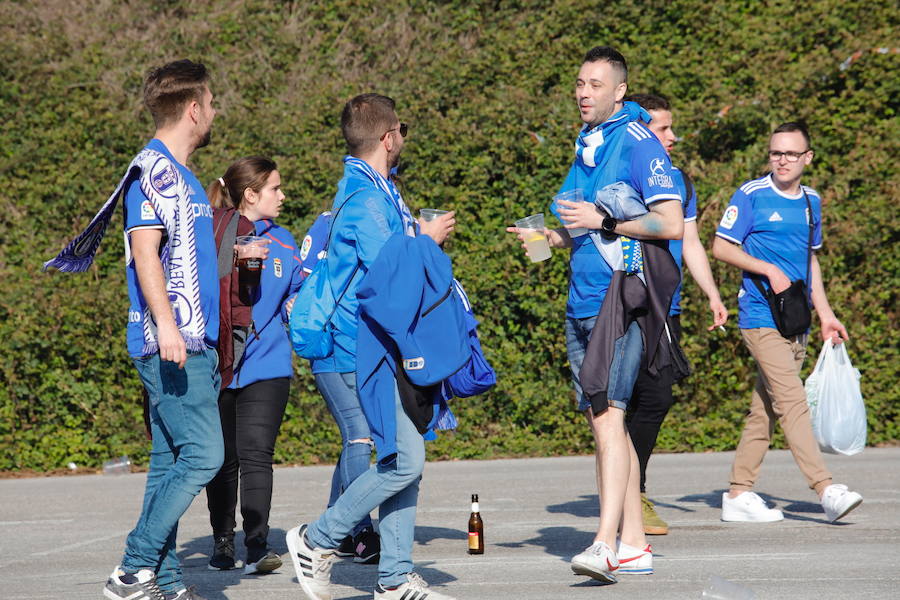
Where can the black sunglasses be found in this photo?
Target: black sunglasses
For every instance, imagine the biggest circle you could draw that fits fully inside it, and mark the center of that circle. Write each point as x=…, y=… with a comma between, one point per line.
x=404, y=129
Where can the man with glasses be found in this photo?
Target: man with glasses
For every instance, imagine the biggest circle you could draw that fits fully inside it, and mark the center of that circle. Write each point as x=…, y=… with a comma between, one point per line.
x=368, y=210
x=765, y=232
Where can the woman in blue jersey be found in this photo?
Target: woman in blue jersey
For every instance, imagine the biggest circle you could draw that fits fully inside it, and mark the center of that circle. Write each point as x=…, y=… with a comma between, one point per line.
x=251, y=405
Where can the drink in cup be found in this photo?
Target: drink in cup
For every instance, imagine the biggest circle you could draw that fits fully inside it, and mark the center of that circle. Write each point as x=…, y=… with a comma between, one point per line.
x=570, y=196
x=250, y=252
x=430, y=214
x=532, y=230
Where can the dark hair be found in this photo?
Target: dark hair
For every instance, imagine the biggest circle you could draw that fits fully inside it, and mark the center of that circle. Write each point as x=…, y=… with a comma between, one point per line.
x=168, y=88
x=649, y=101
x=610, y=55
x=791, y=126
x=365, y=119
x=248, y=172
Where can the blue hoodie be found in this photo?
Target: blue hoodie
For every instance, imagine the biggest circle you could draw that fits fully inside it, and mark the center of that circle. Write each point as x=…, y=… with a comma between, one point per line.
x=268, y=353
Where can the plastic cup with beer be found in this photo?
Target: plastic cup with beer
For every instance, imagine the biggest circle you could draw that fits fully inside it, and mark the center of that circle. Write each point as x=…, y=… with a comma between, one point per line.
x=532, y=230
x=570, y=196
x=430, y=214
x=250, y=255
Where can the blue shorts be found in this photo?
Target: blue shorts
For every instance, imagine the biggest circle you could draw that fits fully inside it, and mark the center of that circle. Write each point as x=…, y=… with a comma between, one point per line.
x=623, y=371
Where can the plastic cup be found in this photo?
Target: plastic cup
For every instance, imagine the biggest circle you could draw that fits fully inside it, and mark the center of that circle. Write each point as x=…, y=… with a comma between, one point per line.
x=250, y=259
x=722, y=589
x=532, y=230
x=572, y=196
x=117, y=466
x=430, y=214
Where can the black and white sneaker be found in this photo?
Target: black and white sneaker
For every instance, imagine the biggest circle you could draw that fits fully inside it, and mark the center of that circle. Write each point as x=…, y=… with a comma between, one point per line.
x=415, y=588
x=184, y=594
x=223, y=553
x=313, y=565
x=261, y=562
x=366, y=547
x=132, y=586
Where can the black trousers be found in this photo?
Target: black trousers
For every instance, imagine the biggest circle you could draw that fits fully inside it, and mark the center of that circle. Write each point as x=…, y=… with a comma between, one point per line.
x=650, y=403
x=251, y=417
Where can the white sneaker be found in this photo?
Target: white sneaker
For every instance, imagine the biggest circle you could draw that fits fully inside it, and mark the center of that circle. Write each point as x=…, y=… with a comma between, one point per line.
x=837, y=501
x=634, y=560
x=748, y=508
x=597, y=561
x=415, y=588
x=132, y=586
x=313, y=565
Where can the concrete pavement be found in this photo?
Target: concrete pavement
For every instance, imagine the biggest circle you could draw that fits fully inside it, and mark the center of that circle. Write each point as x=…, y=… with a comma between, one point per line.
x=61, y=536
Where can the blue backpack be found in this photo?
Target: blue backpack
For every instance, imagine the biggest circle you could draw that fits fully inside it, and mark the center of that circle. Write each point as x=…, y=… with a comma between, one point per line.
x=476, y=376
x=311, y=329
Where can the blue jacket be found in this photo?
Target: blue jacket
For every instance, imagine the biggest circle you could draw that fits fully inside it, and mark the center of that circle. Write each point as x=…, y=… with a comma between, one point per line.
x=411, y=314
x=363, y=226
x=268, y=352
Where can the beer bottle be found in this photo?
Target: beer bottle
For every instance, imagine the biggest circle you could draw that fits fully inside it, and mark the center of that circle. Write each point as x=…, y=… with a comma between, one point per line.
x=476, y=529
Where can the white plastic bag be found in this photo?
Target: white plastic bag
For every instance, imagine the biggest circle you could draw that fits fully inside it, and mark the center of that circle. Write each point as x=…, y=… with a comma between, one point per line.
x=835, y=402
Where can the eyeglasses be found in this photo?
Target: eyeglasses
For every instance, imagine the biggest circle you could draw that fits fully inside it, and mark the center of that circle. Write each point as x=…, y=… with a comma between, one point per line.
x=404, y=129
x=775, y=155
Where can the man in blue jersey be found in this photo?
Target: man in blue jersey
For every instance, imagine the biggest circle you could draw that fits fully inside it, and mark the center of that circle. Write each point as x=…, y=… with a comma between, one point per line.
x=770, y=230
x=172, y=326
x=368, y=211
x=652, y=396
x=613, y=150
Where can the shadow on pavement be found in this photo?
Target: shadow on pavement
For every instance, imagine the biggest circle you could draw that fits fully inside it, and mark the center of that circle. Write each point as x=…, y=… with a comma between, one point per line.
x=587, y=505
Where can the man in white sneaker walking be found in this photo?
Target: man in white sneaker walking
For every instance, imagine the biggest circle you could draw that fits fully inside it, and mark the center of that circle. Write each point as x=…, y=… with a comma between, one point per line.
x=770, y=230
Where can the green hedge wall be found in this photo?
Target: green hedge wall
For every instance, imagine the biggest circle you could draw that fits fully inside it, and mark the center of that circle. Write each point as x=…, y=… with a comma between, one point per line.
x=487, y=90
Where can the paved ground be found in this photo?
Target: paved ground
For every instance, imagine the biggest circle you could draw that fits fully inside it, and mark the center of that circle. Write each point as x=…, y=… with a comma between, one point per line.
x=60, y=537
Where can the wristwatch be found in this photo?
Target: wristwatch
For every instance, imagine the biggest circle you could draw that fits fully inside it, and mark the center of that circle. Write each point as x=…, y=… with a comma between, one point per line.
x=609, y=224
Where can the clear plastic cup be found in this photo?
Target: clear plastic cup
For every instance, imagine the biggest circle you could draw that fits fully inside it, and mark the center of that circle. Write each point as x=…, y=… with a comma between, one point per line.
x=572, y=196
x=430, y=214
x=250, y=253
x=532, y=230
x=117, y=466
x=722, y=589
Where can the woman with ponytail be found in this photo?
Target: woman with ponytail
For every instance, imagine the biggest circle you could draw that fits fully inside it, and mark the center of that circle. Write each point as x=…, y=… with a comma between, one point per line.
x=255, y=360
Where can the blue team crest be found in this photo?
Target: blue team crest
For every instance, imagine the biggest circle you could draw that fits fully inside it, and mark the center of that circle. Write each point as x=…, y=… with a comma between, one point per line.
x=181, y=309
x=163, y=178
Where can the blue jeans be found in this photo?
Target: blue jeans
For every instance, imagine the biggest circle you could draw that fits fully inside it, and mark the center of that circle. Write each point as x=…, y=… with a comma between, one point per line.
x=339, y=392
x=187, y=452
x=623, y=371
x=394, y=488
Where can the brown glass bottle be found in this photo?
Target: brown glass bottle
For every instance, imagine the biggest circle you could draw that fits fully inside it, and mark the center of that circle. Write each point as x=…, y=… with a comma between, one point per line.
x=476, y=529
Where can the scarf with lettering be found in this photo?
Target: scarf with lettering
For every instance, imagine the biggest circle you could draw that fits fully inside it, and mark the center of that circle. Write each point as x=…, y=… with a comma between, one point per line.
x=162, y=184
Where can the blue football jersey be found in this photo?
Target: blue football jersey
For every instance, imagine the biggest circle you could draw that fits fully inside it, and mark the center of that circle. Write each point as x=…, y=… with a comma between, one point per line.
x=139, y=214
x=774, y=227
x=689, y=207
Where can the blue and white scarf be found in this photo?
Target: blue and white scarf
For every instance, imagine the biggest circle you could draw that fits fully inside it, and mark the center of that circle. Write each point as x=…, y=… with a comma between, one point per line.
x=169, y=195
x=390, y=190
x=599, y=148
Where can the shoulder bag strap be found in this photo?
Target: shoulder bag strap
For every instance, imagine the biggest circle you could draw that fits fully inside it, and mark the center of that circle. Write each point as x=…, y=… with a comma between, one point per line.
x=812, y=227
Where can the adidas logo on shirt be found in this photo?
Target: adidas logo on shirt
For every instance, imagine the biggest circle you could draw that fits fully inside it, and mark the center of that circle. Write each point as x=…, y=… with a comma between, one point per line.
x=775, y=217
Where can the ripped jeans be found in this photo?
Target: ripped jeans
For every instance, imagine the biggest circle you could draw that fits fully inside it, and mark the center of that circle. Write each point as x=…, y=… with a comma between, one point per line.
x=339, y=392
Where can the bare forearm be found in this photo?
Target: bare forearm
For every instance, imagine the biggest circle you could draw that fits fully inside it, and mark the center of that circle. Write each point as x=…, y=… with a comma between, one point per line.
x=153, y=286
x=734, y=255
x=819, y=299
x=695, y=259
x=663, y=222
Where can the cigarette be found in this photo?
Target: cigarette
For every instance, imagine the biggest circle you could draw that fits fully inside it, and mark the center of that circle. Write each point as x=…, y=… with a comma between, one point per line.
x=722, y=329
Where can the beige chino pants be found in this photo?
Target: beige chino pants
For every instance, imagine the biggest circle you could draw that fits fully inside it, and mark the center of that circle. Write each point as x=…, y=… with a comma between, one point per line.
x=779, y=394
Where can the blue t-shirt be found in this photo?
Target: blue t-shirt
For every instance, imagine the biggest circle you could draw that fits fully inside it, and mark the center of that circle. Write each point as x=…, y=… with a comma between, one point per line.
x=645, y=166
x=139, y=214
x=689, y=207
x=363, y=226
x=313, y=248
x=774, y=227
x=268, y=351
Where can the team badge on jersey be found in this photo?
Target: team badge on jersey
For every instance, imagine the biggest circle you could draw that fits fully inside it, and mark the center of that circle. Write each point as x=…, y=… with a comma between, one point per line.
x=277, y=264
x=147, y=212
x=730, y=217
x=304, y=248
